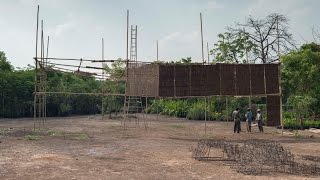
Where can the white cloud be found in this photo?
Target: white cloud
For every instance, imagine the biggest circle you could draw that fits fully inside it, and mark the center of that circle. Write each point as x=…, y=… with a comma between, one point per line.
x=61, y=29
x=292, y=8
x=180, y=44
x=70, y=24
x=207, y=6
x=170, y=37
x=2, y=21
x=214, y=5
x=180, y=37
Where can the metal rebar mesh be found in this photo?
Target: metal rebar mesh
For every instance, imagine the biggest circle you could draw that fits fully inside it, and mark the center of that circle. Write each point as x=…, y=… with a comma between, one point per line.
x=257, y=157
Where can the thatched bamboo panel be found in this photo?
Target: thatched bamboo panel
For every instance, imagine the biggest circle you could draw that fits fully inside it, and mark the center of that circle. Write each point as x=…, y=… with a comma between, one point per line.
x=243, y=79
x=272, y=78
x=257, y=79
x=273, y=110
x=228, y=80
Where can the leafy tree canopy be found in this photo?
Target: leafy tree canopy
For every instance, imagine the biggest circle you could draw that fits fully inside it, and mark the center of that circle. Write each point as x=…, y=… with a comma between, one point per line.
x=259, y=40
x=4, y=63
x=301, y=73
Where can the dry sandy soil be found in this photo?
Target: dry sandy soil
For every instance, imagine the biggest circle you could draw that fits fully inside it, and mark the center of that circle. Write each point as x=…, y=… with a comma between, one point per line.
x=91, y=148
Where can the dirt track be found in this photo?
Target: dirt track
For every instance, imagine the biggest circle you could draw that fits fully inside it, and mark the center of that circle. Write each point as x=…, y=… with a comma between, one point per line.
x=91, y=148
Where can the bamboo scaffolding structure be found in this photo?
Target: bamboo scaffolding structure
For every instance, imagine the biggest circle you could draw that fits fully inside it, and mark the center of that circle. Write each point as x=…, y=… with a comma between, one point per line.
x=42, y=68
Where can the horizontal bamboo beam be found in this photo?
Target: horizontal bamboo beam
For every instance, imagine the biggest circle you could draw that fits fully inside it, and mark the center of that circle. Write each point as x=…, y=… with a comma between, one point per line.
x=78, y=93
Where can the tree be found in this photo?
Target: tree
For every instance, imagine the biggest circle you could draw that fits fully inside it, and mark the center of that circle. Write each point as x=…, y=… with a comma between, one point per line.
x=4, y=63
x=114, y=85
x=117, y=70
x=301, y=106
x=266, y=39
x=316, y=34
x=187, y=60
x=232, y=48
x=301, y=74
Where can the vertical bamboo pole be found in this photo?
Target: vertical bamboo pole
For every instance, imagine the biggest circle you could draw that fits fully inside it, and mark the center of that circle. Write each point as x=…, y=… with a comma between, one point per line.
x=247, y=59
x=102, y=56
x=46, y=64
x=227, y=109
x=280, y=88
x=157, y=50
x=146, y=113
x=205, y=116
x=136, y=44
x=208, y=52
x=201, y=38
x=158, y=110
x=43, y=80
x=40, y=78
x=35, y=76
x=127, y=63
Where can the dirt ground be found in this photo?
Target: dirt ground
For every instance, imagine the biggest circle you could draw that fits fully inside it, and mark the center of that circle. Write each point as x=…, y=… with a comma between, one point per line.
x=87, y=147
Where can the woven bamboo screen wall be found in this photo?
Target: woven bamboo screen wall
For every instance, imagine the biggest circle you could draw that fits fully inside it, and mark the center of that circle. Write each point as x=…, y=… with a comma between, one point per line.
x=167, y=80
x=273, y=110
x=143, y=80
x=180, y=80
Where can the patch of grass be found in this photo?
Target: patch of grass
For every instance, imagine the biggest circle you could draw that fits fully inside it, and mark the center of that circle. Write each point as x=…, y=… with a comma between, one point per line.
x=53, y=133
x=176, y=126
x=297, y=134
x=81, y=136
x=3, y=131
x=131, y=116
x=32, y=137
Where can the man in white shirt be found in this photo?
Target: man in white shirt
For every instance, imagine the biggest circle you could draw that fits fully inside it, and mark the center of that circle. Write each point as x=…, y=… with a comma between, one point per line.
x=259, y=119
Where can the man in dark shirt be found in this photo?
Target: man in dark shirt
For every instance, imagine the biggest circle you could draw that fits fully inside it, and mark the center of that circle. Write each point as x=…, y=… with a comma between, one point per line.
x=236, y=119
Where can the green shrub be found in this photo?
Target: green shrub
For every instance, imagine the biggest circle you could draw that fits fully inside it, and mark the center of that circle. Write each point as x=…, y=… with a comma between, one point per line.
x=288, y=114
x=292, y=123
x=216, y=116
x=311, y=124
x=178, y=108
x=32, y=137
x=197, y=111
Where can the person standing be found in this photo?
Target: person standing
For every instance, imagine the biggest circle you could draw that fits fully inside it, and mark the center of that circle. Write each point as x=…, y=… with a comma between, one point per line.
x=249, y=119
x=259, y=119
x=236, y=119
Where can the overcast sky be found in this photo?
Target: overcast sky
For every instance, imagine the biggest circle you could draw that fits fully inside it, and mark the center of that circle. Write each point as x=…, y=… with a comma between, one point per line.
x=76, y=27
